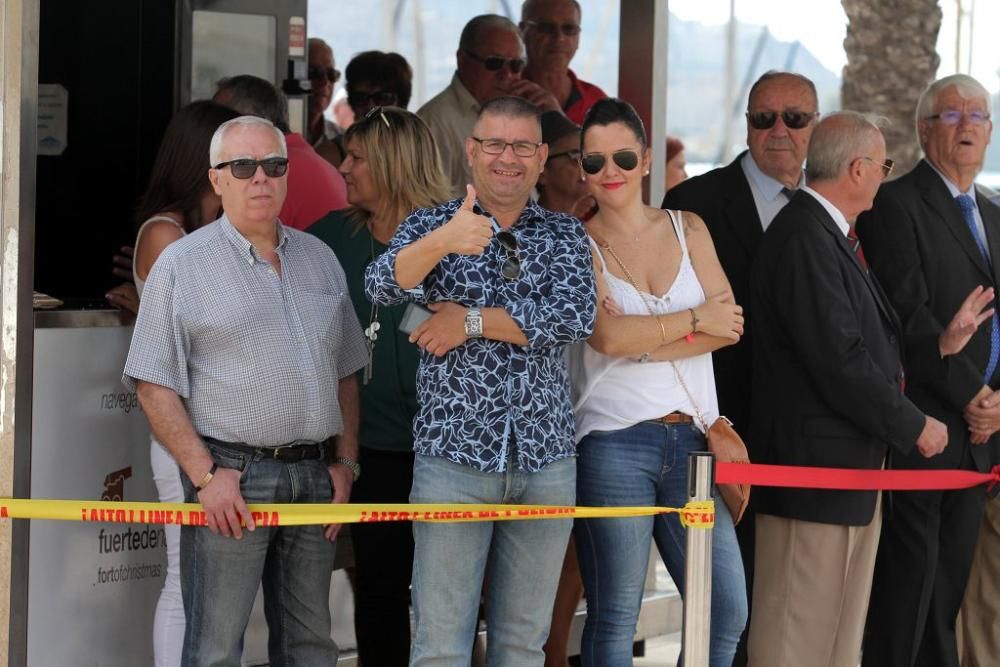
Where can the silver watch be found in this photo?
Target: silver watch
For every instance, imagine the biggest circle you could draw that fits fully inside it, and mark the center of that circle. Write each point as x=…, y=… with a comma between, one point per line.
x=474, y=323
x=353, y=465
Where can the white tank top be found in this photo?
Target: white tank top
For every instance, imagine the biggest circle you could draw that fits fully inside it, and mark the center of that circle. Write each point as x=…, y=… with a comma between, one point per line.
x=612, y=393
x=140, y=283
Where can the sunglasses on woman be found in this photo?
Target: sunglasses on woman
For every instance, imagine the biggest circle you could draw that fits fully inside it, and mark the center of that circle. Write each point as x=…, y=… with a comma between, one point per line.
x=379, y=98
x=626, y=159
x=244, y=168
x=794, y=120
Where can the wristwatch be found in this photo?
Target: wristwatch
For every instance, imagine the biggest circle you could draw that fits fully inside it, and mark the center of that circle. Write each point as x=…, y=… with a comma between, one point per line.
x=474, y=323
x=353, y=465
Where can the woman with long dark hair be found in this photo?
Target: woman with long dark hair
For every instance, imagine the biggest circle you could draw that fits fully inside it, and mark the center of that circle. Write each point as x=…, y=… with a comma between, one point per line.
x=644, y=392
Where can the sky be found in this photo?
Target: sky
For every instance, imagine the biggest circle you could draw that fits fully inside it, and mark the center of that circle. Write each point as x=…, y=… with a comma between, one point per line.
x=791, y=20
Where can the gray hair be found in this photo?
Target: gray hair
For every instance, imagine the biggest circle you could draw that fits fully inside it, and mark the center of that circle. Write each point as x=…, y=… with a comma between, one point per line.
x=215, y=148
x=966, y=86
x=253, y=96
x=474, y=29
x=839, y=139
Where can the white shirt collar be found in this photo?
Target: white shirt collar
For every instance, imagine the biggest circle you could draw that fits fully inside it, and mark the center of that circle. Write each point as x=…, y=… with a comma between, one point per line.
x=834, y=212
x=767, y=186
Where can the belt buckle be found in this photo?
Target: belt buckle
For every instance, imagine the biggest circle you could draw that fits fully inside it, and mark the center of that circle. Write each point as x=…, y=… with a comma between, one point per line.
x=290, y=453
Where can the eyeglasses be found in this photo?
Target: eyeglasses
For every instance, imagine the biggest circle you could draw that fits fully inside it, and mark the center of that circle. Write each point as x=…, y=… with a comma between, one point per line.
x=627, y=159
x=572, y=154
x=382, y=98
x=794, y=120
x=887, y=166
x=377, y=112
x=954, y=116
x=498, y=146
x=511, y=267
x=552, y=29
x=331, y=74
x=495, y=63
x=244, y=168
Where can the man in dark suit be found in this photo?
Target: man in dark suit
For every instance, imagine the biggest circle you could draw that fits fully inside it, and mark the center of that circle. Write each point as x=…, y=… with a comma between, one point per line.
x=931, y=239
x=827, y=349
x=737, y=203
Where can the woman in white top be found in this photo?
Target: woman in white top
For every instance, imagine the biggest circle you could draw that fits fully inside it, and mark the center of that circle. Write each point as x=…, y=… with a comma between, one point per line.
x=178, y=200
x=666, y=305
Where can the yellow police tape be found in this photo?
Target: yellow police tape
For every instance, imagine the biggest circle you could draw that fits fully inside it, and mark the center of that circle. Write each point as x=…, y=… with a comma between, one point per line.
x=700, y=514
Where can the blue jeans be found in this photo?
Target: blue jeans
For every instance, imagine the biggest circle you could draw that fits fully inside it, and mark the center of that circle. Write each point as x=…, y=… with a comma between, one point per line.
x=220, y=575
x=524, y=559
x=643, y=465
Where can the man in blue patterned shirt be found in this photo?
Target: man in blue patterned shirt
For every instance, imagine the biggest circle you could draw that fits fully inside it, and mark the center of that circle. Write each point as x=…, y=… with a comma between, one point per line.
x=510, y=285
x=243, y=357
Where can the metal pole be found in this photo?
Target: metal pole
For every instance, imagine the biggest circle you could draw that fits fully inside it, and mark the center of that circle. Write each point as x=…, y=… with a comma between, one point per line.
x=698, y=566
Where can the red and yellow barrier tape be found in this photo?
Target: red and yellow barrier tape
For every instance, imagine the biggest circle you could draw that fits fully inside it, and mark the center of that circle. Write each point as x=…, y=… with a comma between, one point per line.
x=698, y=514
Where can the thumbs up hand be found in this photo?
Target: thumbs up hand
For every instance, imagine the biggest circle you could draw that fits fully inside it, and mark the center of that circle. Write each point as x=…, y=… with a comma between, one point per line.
x=467, y=233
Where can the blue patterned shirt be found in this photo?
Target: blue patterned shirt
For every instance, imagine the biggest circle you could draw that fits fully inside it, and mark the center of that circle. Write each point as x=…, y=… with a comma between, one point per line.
x=485, y=394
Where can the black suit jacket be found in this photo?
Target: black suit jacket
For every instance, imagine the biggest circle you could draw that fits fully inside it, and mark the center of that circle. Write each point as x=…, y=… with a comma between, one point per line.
x=826, y=363
x=923, y=253
x=722, y=198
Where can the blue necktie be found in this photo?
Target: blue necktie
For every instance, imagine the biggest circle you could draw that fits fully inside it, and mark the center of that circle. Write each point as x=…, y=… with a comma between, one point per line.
x=968, y=206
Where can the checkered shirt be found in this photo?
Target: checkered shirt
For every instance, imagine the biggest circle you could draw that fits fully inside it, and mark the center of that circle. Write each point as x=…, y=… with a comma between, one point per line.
x=256, y=358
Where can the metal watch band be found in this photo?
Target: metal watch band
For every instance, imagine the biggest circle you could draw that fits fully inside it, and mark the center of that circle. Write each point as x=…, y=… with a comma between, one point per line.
x=474, y=323
x=353, y=465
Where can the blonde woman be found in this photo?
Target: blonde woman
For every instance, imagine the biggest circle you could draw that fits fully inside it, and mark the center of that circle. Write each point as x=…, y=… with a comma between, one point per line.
x=391, y=167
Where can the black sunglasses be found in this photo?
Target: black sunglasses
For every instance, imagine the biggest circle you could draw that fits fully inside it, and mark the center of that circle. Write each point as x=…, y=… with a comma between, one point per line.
x=377, y=112
x=331, y=74
x=572, y=154
x=794, y=120
x=494, y=63
x=511, y=267
x=627, y=159
x=381, y=98
x=244, y=168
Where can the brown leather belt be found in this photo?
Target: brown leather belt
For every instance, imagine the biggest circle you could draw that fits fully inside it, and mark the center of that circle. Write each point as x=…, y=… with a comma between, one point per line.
x=674, y=418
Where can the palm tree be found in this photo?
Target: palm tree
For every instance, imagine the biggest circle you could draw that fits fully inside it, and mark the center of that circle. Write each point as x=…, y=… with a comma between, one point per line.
x=891, y=57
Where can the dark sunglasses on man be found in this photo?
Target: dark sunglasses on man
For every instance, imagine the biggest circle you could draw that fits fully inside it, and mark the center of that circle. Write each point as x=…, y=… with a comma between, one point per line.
x=592, y=163
x=331, y=74
x=495, y=63
x=379, y=98
x=793, y=120
x=511, y=267
x=243, y=168
x=552, y=29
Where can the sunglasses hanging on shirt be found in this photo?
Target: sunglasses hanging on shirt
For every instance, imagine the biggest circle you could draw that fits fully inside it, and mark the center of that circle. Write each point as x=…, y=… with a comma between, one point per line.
x=511, y=267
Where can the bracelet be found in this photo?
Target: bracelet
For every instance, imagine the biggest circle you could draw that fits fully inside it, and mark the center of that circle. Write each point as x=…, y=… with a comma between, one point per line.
x=694, y=326
x=663, y=332
x=209, y=476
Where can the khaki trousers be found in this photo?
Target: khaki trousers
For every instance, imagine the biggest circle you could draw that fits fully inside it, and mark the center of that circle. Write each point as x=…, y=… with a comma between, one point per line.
x=979, y=643
x=811, y=587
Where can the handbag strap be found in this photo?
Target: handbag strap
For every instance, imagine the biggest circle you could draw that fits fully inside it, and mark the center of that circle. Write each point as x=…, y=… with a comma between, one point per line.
x=628, y=275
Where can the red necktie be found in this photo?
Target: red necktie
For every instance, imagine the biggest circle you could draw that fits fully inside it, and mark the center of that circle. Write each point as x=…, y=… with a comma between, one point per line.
x=855, y=242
